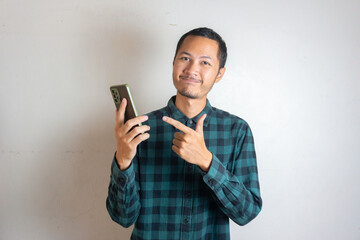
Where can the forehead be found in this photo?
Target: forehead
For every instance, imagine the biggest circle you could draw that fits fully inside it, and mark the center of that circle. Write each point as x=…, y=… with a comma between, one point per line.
x=197, y=45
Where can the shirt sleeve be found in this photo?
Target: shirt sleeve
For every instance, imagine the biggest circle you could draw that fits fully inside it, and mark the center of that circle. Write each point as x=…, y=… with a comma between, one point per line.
x=123, y=201
x=237, y=192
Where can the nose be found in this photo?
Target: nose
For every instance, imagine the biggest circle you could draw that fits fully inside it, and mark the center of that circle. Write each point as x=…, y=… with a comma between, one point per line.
x=192, y=68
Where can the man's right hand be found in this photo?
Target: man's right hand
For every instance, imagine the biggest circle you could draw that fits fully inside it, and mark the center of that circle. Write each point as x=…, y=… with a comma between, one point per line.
x=127, y=138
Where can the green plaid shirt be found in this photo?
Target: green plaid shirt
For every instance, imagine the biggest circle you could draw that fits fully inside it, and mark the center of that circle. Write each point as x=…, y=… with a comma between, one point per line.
x=169, y=198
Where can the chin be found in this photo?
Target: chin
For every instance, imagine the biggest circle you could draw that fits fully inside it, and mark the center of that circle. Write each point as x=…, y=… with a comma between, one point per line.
x=189, y=95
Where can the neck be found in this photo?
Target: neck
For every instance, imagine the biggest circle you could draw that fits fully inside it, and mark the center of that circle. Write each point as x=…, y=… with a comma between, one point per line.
x=190, y=107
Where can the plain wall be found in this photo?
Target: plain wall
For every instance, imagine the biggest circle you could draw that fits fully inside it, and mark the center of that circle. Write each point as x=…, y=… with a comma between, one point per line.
x=292, y=73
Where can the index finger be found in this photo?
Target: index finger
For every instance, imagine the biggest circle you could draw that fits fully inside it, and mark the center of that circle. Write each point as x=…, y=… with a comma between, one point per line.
x=134, y=121
x=177, y=124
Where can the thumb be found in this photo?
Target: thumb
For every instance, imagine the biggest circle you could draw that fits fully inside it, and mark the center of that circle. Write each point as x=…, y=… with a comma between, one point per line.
x=200, y=124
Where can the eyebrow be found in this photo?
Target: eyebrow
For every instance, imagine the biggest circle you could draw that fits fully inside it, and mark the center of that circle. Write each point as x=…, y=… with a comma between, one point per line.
x=186, y=53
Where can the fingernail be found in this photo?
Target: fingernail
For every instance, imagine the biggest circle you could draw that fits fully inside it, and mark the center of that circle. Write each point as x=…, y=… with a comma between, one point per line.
x=164, y=118
x=146, y=117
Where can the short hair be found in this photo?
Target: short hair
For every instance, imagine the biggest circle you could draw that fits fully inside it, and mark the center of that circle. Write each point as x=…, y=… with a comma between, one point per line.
x=210, y=34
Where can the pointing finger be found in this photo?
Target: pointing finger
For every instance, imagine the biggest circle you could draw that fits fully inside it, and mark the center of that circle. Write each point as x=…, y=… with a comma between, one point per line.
x=178, y=125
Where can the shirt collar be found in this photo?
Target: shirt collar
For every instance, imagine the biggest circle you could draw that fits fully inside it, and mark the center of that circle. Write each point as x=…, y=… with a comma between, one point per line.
x=176, y=114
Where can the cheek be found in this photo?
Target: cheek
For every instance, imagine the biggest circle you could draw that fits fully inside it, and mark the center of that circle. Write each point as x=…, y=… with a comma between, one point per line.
x=208, y=75
x=180, y=65
x=174, y=77
x=176, y=69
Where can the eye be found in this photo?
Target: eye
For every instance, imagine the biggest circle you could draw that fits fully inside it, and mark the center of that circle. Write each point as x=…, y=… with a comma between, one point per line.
x=185, y=58
x=205, y=63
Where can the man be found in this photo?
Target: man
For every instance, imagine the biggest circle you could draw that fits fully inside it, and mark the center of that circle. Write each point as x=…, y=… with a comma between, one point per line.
x=194, y=166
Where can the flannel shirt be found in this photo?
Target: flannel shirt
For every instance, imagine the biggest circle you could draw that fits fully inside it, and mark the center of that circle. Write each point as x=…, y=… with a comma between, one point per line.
x=168, y=198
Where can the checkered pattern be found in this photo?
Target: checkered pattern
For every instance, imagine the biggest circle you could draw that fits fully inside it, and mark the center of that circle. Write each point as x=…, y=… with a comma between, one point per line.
x=169, y=198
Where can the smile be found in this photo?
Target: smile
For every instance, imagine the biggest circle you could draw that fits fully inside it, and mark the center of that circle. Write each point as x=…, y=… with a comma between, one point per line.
x=188, y=79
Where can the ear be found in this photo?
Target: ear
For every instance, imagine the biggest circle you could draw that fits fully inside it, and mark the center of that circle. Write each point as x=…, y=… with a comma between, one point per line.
x=220, y=74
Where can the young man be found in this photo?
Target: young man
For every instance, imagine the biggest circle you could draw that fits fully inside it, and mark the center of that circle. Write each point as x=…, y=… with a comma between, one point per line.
x=194, y=166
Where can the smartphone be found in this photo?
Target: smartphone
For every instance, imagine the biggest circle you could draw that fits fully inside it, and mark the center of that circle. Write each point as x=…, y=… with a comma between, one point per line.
x=119, y=92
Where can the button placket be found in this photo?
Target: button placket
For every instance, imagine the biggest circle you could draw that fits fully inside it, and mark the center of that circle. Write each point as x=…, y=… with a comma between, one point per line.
x=187, y=200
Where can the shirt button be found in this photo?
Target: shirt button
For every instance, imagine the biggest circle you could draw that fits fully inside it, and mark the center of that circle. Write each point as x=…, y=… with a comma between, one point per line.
x=191, y=122
x=122, y=180
x=186, y=221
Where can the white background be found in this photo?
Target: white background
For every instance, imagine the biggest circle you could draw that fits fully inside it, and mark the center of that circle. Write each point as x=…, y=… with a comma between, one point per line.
x=293, y=74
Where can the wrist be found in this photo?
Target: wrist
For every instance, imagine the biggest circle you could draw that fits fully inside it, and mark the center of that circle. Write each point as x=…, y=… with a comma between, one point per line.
x=205, y=166
x=123, y=165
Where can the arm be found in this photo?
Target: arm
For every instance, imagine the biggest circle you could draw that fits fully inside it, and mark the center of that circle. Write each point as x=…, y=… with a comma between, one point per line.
x=237, y=192
x=123, y=201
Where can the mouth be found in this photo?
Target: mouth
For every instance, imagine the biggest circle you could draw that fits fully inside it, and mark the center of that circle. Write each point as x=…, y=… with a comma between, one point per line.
x=189, y=79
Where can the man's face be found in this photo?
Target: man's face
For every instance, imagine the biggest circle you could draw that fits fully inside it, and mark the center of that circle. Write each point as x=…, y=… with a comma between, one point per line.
x=196, y=67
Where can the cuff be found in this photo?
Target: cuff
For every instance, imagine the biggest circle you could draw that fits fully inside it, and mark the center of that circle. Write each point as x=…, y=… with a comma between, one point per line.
x=216, y=175
x=121, y=178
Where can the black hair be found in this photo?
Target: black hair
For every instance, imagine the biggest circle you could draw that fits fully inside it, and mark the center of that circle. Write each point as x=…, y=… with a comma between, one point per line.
x=210, y=34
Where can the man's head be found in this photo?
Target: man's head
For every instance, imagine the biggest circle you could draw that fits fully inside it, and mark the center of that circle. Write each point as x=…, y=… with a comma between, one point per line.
x=198, y=63
x=210, y=34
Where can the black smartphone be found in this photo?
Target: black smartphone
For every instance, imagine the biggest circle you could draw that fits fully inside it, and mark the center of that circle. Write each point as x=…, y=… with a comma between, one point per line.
x=119, y=92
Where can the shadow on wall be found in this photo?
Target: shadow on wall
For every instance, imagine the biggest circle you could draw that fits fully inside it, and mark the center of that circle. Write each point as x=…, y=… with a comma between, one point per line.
x=72, y=186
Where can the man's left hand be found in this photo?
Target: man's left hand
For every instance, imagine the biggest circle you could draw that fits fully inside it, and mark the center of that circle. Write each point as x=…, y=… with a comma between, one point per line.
x=190, y=144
